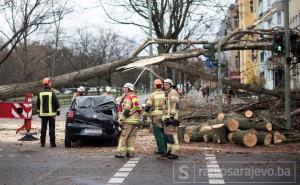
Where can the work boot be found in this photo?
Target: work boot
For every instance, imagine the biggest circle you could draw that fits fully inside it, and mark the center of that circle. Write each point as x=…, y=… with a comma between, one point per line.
x=42, y=144
x=129, y=155
x=119, y=156
x=157, y=152
x=166, y=154
x=53, y=145
x=172, y=156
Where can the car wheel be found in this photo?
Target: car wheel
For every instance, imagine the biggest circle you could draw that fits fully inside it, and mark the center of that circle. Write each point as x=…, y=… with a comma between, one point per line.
x=68, y=139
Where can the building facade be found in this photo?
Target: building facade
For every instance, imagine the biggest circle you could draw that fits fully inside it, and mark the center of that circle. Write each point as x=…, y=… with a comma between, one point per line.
x=270, y=65
x=294, y=15
x=249, y=67
x=231, y=58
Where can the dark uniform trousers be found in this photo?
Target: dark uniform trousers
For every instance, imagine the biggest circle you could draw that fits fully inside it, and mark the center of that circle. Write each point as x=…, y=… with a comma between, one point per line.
x=45, y=121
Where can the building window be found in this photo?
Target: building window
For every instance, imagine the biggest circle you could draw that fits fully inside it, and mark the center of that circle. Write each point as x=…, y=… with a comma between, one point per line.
x=279, y=18
x=251, y=6
x=262, y=57
x=269, y=4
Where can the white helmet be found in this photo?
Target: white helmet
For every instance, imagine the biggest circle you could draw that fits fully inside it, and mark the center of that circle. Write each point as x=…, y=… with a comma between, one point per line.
x=169, y=81
x=107, y=89
x=129, y=86
x=81, y=89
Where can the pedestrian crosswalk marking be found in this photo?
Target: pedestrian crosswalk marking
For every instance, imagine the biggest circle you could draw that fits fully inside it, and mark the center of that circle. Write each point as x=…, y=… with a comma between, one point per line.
x=120, y=176
x=214, y=172
x=116, y=180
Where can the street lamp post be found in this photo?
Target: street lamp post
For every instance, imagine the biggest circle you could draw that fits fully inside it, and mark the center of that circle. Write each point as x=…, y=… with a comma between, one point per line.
x=151, y=37
x=287, y=86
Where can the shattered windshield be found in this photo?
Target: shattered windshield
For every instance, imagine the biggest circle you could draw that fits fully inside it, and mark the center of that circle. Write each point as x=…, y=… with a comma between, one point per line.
x=95, y=102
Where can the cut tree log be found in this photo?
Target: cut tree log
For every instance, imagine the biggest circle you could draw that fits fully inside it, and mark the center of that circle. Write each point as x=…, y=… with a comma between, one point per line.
x=257, y=124
x=248, y=114
x=278, y=137
x=219, y=133
x=232, y=124
x=246, y=138
x=229, y=136
x=221, y=116
x=208, y=137
x=193, y=137
x=264, y=138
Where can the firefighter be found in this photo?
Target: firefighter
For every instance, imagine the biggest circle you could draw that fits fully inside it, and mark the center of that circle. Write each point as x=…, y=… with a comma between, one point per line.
x=170, y=119
x=80, y=92
x=107, y=91
x=129, y=112
x=154, y=108
x=47, y=108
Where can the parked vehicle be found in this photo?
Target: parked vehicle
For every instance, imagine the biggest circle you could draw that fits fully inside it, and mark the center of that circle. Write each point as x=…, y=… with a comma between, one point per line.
x=92, y=118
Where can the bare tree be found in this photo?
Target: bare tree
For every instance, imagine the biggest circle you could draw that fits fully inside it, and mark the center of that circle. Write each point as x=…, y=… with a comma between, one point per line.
x=24, y=17
x=172, y=19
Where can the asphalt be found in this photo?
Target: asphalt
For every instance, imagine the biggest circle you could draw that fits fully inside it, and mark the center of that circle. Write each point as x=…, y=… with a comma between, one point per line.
x=95, y=165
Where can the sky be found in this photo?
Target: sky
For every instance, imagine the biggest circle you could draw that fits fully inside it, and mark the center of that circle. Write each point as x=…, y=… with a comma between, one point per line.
x=88, y=14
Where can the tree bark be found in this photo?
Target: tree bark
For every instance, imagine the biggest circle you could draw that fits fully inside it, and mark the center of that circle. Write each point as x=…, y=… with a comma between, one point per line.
x=264, y=138
x=219, y=133
x=257, y=124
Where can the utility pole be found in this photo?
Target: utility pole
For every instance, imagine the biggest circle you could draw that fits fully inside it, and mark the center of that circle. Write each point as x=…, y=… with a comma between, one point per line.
x=151, y=38
x=287, y=85
x=220, y=102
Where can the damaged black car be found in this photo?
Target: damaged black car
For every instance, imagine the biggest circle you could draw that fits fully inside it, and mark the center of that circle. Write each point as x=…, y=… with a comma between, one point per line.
x=92, y=118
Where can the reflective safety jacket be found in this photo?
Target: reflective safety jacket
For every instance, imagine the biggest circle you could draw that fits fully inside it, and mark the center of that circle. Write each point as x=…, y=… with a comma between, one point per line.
x=47, y=103
x=156, y=101
x=130, y=102
x=171, y=105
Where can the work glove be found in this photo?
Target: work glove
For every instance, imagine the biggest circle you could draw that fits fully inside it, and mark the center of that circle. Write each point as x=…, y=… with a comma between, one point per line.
x=126, y=113
x=58, y=112
x=147, y=108
x=166, y=122
x=171, y=121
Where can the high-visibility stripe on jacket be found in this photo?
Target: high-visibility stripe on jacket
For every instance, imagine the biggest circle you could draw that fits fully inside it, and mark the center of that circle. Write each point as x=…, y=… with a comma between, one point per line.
x=131, y=102
x=46, y=104
x=156, y=101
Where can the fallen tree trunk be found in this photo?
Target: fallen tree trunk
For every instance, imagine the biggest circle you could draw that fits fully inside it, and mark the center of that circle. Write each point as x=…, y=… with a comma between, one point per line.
x=231, y=83
x=246, y=138
x=19, y=89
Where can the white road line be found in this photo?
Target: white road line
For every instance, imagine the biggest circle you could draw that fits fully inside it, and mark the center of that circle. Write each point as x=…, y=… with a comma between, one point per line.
x=0, y=155
x=125, y=169
x=120, y=176
x=216, y=181
x=132, y=162
x=214, y=172
x=1, y=149
x=115, y=180
x=129, y=165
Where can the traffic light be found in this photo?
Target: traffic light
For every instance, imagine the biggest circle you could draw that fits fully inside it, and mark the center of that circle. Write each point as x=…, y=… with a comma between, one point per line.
x=211, y=51
x=278, y=43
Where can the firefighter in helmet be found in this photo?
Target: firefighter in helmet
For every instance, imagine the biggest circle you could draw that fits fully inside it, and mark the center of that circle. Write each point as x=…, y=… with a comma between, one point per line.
x=154, y=108
x=129, y=111
x=47, y=108
x=170, y=118
x=80, y=92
